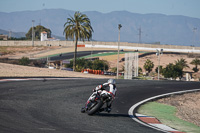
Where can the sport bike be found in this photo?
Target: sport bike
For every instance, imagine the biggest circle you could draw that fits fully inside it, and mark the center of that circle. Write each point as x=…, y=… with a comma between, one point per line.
x=95, y=102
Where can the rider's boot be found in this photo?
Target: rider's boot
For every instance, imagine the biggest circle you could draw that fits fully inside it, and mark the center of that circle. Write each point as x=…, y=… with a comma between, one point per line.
x=108, y=109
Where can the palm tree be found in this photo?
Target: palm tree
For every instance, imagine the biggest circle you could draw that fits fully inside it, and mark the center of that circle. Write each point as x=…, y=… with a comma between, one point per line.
x=195, y=62
x=148, y=65
x=182, y=63
x=78, y=28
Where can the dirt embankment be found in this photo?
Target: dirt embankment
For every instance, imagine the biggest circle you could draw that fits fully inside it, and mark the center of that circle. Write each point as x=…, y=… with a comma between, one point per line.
x=10, y=70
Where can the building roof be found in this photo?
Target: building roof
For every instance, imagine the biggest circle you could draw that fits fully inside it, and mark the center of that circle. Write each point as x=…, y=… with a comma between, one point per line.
x=43, y=32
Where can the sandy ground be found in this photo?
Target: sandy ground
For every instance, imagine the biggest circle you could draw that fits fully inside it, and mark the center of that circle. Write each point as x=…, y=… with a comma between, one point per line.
x=9, y=70
x=165, y=59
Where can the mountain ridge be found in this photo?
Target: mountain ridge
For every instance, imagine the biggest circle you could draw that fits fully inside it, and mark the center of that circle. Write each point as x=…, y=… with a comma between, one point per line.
x=155, y=27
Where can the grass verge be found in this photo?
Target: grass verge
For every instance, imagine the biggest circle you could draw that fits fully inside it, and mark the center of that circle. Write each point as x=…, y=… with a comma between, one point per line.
x=106, y=54
x=167, y=115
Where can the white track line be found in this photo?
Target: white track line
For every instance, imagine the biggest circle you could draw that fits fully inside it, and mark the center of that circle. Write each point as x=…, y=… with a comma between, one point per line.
x=25, y=79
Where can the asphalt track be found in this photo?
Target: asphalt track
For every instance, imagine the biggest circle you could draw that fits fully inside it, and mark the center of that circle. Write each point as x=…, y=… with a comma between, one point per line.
x=53, y=106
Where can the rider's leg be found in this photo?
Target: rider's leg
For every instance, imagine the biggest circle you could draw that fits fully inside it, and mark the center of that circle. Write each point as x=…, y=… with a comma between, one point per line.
x=108, y=108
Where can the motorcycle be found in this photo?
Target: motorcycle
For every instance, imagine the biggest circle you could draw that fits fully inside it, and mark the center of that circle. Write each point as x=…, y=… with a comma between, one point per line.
x=96, y=101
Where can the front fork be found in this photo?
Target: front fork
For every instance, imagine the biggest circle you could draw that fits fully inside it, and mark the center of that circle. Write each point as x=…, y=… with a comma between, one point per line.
x=91, y=99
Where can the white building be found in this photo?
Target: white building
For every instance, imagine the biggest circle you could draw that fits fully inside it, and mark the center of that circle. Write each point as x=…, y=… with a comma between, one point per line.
x=44, y=36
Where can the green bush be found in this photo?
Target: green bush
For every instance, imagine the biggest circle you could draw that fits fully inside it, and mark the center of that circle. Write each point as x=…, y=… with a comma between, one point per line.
x=160, y=69
x=100, y=65
x=24, y=61
x=172, y=71
x=88, y=64
x=148, y=65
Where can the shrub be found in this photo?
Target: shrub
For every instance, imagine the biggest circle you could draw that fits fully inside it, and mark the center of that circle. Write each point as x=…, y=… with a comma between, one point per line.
x=100, y=65
x=148, y=65
x=24, y=61
x=160, y=69
x=84, y=64
x=172, y=71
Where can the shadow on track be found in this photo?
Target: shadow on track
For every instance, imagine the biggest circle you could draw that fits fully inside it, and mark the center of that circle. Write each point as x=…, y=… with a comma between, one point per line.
x=112, y=115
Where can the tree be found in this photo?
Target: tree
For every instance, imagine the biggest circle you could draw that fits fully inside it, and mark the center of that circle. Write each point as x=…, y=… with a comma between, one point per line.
x=182, y=63
x=100, y=65
x=160, y=68
x=78, y=28
x=37, y=30
x=148, y=65
x=172, y=71
x=81, y=64
x=85, y=64
x=195, y=62
x=139, y=70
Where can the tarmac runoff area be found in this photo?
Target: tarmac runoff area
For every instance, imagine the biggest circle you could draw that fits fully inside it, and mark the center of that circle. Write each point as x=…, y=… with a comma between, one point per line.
x=153, y=122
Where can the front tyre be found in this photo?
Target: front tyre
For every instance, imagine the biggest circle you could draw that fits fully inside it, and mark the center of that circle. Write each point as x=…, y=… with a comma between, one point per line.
x=95, y=108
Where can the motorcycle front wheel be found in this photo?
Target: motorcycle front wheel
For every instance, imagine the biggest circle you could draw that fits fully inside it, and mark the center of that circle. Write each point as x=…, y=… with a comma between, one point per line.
x=94, y=108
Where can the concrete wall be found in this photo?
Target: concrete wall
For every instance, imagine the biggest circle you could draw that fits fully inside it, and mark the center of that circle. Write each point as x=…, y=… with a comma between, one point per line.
x=71, y=43
x=36, y=43
x=143, y=45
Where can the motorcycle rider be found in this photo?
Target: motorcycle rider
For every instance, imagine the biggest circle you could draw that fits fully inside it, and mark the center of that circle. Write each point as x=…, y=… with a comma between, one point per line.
x=111, y=93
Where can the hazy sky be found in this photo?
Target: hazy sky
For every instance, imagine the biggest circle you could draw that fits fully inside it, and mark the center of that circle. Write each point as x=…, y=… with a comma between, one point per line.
x=169, y=7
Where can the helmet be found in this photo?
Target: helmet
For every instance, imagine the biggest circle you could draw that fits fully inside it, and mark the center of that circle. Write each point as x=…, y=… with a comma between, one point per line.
x=111, y=81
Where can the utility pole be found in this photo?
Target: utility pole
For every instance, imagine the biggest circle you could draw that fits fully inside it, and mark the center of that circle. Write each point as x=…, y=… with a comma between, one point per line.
x=92, y=49
x=10, y=34
x=159, y=52
x=119, y=27
x=140, y=34
x=194, y=36
x=33, y=33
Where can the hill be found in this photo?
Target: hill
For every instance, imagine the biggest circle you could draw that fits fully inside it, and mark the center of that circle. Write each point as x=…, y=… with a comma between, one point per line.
x=155, y=28
x=13, y=34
